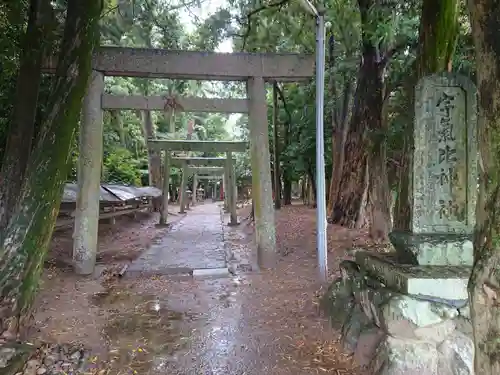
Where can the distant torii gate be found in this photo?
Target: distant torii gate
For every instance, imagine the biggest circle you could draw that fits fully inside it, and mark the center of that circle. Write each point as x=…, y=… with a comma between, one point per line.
x=227, y=162
x=186, y=162
x=214, y=172
x=215, y=179
x=253, y=68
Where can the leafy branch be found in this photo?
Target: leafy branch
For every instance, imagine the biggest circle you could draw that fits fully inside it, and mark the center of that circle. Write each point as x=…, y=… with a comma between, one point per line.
x=398, y=48
x=285, y=105
x=279, y=4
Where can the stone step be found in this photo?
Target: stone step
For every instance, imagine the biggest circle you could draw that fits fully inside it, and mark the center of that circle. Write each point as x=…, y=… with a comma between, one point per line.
x=445, y=282
x=210, y=272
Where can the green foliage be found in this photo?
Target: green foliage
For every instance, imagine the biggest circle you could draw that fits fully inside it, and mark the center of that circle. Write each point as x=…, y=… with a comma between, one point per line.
x=284, y=28
x=121, y=167
x=12, y=24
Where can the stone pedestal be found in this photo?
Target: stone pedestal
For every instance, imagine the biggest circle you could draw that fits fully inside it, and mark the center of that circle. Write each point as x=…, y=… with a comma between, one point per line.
x=390, y=331
x=433, y=249
x=442, y=282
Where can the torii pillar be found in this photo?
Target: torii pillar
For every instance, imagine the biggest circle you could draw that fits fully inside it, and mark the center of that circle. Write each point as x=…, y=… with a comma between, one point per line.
x=166, y=183
x=224, y=192
x=89, y=178
x=195, y=190
x=182, y=190
x=265, y=231
x=230, y=194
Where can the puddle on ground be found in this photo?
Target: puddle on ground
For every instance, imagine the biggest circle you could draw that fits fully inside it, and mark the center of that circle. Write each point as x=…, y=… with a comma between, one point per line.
x=142, y=332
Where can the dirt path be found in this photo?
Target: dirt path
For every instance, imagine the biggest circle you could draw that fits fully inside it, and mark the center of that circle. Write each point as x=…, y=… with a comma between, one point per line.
x=244, y=324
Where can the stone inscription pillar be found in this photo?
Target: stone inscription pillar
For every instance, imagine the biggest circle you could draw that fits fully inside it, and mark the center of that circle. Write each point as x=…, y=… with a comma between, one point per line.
x=444, y=174
x=89, y=178
x=265, y=231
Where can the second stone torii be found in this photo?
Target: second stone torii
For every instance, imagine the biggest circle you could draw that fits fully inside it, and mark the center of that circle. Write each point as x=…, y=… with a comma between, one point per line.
x=227, y=147
x=199, y=172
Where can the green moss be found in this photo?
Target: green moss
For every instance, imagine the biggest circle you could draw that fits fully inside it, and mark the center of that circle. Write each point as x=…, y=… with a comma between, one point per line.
x=30, y=229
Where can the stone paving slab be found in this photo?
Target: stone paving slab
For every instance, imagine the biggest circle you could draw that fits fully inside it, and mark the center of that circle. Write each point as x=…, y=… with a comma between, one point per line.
x=194, y=242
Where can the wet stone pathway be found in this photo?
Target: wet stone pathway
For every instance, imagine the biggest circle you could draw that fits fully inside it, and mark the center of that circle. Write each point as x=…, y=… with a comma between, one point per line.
x=194, y=244
x=247, y=323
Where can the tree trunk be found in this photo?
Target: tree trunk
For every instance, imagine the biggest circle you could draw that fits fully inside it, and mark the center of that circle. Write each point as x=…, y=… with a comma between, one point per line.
x=402, y=214
x=287, y=173
x=154, y=158
x=303, y=189
x=118, y=124
x=484, y=284
x=437, y=40
x=22, y=128
x=277, y=174
x=340, y=130
x=312, y=197
x=287, y=190
x=365, y=149
x=30, y=228
x=378, y=198
x=367, y=109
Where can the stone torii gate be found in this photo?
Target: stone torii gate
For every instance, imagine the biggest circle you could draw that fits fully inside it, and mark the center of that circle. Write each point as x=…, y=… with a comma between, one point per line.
x=227, y=147
x=253, y=68
x=200, y=173
x=186, y=104
x=215, y=179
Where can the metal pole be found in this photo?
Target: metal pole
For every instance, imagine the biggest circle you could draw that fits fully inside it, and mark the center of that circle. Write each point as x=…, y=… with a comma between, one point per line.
x=320, y=150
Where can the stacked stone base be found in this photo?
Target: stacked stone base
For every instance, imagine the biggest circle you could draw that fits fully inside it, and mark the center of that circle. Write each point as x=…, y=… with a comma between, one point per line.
x=391, y=332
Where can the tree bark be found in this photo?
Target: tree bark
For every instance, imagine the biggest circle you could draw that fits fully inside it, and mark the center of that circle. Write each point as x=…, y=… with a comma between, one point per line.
x=402, y=214
x=312, y=198
x=118, y=124
x=340, y=121
x=363, y=198
x=367, y=108
x=287, y=180
x=437, y=41
x=484, y=284
x=29, y=231
x=303, y=189
x=22, y=129
x=287, y=190
x=277, y=173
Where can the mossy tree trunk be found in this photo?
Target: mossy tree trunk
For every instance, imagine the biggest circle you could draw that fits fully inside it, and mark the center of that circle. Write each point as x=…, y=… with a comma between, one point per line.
x=361, y=199
x=22, y=126
x=437, y=41
x=29, y=230
x=484, y=284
